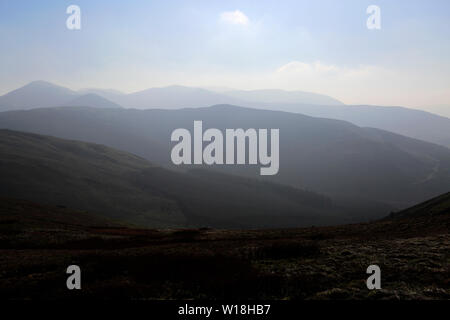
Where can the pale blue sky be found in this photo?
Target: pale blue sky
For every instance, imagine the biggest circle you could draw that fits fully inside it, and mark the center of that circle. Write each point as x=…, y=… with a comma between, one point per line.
x=321, y=46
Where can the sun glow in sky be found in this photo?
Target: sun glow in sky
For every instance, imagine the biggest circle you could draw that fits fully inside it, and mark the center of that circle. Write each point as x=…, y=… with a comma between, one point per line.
x=319, y=46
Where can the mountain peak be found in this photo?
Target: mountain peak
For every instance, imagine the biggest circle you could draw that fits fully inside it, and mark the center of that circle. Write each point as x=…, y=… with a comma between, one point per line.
x=40, y=93
x=36, y=94
x=41, y=82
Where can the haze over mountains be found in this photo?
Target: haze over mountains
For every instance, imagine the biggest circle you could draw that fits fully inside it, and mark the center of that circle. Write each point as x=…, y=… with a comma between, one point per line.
x=410, y=122
x=333, y=157
x=41, y=94
x=275, y=96
x=367, y=171
x=120, y=186
x=175, y=97
x=45, y=94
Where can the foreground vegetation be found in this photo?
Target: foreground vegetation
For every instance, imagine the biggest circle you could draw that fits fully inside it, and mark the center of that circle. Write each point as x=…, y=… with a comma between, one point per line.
x=39, y=242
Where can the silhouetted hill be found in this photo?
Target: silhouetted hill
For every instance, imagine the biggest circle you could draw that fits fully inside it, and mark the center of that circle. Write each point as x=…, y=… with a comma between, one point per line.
x=436, y=206
x=327, y=156
x=124, y=187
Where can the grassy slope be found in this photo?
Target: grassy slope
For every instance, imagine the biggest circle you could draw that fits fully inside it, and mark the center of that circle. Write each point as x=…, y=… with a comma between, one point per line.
x=436, y=206
x=79, y=175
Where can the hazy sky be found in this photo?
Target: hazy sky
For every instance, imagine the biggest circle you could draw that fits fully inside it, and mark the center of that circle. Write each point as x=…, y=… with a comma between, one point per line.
x=321, y=46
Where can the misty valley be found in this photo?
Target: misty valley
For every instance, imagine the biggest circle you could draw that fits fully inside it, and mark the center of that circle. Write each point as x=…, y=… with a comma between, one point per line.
x=221, y=201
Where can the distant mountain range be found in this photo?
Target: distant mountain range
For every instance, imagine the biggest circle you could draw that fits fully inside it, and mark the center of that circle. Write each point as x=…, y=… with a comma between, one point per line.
x=41, y=94
x=120, y=186
x=44, y=94
x=410, y=122
x=376, y=168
